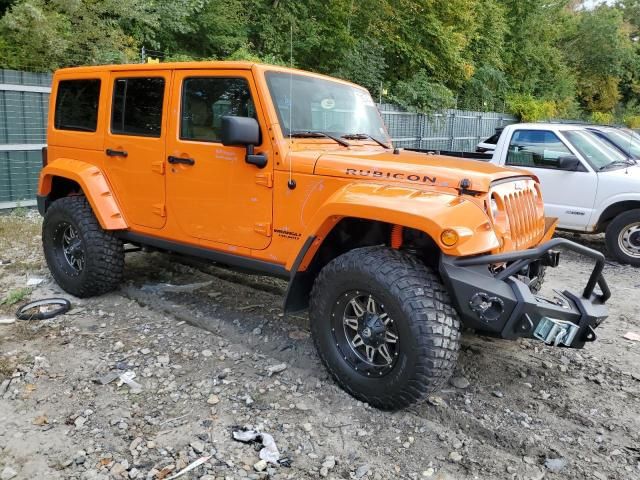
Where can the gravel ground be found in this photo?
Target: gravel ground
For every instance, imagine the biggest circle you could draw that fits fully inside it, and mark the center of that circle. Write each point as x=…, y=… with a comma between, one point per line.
x=207, y=347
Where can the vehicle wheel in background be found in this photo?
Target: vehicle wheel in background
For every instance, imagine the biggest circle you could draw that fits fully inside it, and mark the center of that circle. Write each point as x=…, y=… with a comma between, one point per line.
x=384, y=326
x=623, y=237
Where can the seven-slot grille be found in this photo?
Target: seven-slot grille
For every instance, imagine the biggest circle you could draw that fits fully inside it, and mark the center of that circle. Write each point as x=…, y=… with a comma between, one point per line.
x=526, y=225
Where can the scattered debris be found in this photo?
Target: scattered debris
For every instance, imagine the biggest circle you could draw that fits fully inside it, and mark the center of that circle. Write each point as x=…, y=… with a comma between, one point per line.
x=455, y=457
x=43, y=309
x=34, y=281
x=299, y=335
x=632, y=336
x=107, y=378
x=555, y=465
x=40, y=420
x=127, y=377
x=8, y=473
x=280, y=367
x=7, y=321
x=269, y=452
x=191, y=466
x=459, y=382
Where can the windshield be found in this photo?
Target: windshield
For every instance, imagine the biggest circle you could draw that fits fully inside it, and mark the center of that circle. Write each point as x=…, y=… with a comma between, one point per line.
x=319, y=105
x=597, y=151
x=626, y=140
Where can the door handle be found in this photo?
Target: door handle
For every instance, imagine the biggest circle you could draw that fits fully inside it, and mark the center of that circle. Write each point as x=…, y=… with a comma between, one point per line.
x=115, y=153
x=184, y=161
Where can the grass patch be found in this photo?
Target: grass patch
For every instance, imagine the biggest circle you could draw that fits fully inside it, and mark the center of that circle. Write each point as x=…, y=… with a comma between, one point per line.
x=15, y=296
x=6, y=368
x=19, y=232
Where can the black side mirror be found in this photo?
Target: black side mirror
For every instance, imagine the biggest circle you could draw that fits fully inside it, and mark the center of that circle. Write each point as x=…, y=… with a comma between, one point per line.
x=243, y=131
x=568, y=162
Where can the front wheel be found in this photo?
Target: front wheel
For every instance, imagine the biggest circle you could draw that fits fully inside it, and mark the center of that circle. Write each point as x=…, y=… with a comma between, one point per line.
x=384, y=326
x=623, y=237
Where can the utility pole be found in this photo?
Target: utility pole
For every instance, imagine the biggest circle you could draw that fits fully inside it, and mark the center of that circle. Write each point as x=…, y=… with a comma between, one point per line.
x=143, y=55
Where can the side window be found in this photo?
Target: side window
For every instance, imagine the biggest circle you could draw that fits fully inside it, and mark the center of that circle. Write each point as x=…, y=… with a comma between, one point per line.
x=77, y=105
x=535, y=149
x=205, y=100
x=493, y=139
x=137, y=106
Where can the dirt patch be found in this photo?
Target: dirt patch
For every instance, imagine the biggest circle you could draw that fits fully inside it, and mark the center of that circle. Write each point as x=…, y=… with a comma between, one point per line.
x=200, y=340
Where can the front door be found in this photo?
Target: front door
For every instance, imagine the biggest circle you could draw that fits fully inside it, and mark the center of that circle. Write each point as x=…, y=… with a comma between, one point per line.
x=568, y=195
x=135, y=144
x=212, y=192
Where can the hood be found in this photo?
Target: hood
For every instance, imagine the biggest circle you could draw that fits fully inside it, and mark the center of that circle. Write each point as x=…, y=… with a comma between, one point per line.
x=413, y=168
x=628, y=176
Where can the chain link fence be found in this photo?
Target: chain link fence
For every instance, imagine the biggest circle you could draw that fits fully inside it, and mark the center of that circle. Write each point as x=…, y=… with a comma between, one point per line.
x=458, y=130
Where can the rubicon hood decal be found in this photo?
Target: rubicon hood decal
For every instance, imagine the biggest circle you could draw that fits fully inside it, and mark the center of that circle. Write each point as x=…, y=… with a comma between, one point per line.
x=412, y=168
x=416, y=178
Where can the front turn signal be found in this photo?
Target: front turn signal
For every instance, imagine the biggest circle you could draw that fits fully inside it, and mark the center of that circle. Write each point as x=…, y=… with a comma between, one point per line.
x=449, y=238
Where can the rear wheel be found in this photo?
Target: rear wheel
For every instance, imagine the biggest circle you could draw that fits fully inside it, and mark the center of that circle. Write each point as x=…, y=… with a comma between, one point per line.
x=623, y=237
x=84, y=259
x=384, y=326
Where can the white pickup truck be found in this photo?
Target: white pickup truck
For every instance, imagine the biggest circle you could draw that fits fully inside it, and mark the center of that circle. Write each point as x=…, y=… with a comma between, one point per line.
x=587, y=183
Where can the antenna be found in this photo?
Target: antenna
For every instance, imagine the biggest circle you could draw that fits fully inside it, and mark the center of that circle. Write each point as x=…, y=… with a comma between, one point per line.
x=291, y=183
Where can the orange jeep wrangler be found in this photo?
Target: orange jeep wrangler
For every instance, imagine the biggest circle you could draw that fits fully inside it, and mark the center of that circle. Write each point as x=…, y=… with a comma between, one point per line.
x=292, y=174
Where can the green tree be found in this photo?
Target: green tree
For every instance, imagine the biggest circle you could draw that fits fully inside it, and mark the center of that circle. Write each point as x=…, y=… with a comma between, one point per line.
x=601, y=54
x=421, y=94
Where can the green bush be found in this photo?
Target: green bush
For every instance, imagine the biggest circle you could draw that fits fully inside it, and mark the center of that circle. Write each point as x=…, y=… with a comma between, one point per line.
x=602, y=118
x=529, y=109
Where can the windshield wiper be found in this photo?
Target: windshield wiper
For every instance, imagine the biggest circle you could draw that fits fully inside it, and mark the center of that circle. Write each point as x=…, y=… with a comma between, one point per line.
x=627, y=162
x=364, y=136
x=316, y=134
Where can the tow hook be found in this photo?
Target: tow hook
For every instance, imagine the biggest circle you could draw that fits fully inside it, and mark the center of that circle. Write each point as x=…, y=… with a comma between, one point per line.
x=556, y=332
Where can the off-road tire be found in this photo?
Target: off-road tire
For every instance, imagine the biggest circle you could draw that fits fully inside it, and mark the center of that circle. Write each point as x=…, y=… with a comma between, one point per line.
x=612, y=236
x=103, y=251
x=416, y=299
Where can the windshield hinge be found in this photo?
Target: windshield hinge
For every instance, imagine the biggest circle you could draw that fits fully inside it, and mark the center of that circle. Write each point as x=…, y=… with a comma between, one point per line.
x=265, y=179
x=158, y=167
x=159, y=209
x=263, y=228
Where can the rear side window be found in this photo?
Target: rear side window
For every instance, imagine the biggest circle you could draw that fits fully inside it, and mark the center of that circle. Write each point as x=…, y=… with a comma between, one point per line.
x=77, y=105
x=137, y=106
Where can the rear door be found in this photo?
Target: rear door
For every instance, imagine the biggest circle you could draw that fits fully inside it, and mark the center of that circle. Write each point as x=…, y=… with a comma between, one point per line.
x=568, y=195
x=212, y=192
x=135, y=144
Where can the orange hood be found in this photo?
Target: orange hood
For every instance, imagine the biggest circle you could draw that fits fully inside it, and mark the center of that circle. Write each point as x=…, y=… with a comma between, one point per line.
x=413, y=168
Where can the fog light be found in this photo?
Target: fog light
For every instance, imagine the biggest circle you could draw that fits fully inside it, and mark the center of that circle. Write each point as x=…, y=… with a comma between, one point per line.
x=449, y=238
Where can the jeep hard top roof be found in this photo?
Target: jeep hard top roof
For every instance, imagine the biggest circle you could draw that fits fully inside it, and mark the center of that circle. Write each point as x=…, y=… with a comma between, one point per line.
x=203, y=65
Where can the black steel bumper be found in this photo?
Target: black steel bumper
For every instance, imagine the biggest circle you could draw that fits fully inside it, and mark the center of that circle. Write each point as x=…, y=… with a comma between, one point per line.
x=496, y=302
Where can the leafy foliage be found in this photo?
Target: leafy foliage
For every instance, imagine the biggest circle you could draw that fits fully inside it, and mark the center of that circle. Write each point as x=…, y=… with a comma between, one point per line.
x=538, y=58
x=530, y=109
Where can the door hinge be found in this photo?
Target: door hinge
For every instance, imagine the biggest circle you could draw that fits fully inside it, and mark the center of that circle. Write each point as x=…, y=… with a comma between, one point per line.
x=263, y=229
x=265, y=179
x=158, y=167
x=159, y=209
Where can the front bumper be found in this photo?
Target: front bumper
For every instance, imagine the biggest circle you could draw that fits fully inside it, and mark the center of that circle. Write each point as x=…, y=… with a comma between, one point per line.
x=496, y=302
